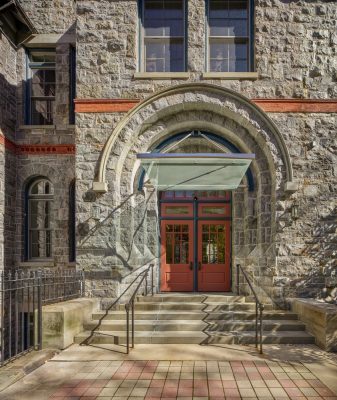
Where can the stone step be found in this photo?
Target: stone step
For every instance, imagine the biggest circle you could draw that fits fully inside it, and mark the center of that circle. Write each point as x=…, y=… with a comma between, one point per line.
x=209, y=306
x=191, y=337
x=194, y=325
x=192, y=298
x=195, y=315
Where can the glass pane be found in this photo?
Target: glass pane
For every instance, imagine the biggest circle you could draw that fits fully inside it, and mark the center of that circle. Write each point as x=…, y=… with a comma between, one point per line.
x=40, y=244
x=39, y=214
x=43, y=112
x=228, y=18
x=164, y=55
x=174, y=210
x=43, y=82
x=164, y=18
x=40, y=57
x=177, y=244
x=213, y=244
x=213, y=210
x=228, y=55
x=41, y=187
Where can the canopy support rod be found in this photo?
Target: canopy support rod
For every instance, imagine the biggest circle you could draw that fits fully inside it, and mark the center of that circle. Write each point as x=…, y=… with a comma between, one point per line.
x=177, y=143
x=214, y=143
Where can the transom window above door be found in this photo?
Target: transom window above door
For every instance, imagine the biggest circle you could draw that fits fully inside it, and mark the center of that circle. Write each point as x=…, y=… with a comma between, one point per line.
x=229, y=38
x=163, y=36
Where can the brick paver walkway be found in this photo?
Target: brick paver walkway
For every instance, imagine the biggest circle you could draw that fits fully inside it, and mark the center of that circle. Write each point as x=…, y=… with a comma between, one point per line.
x=107, y=380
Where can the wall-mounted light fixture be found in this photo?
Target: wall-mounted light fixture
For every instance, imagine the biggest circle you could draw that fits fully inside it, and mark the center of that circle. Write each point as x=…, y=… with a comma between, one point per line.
x=95, y=212
x=294, y=210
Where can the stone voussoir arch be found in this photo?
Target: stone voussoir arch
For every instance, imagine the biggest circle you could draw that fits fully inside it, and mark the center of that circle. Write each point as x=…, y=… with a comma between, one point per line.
x=247, y=113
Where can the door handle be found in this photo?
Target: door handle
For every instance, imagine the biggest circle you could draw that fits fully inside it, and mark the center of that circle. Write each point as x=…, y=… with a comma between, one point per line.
x=199, y=266
x=191, y=265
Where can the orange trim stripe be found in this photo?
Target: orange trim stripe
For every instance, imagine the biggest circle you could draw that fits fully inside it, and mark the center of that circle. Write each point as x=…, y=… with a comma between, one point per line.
x=37, y=149
x=297, y=105
x=104, y=105
x=267, y=105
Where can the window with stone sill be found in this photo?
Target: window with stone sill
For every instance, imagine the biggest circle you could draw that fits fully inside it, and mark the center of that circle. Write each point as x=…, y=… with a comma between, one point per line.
x=162, y=36
x=229, y=36
x=41, y=85
x=39, y=205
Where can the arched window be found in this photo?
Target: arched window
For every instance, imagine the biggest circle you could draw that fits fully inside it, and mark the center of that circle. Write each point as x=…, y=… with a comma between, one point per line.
x=40, y=194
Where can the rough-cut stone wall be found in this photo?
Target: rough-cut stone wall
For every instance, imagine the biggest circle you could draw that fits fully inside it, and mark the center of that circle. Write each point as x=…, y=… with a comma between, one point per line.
x=51, y=16
x=8, y=80
x=306, y=248
x=295, y=52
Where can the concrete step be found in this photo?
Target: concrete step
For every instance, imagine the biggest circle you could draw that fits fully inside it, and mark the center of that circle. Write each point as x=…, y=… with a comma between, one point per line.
x=191, y=337
x=194, y=315
x=206, y=306
x=192, y=298
x=194, y=325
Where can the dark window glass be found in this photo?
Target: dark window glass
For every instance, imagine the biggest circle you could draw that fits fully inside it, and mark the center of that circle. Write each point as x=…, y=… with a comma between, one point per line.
x=42, y=87
x=40, y=200
x=228, y=36
x=164, y=36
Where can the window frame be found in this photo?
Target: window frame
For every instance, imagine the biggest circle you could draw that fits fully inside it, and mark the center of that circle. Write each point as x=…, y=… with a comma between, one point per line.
x=142, y=37
x=30, y=66
x=27, y=231
x=249, y=38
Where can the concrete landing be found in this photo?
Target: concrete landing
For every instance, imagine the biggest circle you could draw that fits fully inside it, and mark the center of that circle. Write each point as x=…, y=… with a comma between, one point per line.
x=182, y=372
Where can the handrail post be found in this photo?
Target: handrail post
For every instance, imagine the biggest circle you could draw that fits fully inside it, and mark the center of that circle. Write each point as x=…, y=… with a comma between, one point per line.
x=238, y=279
x=256, y=324
x=152, y=278
x=146, y=282
x=261, y=326
x=127, y=329
x=133, y=323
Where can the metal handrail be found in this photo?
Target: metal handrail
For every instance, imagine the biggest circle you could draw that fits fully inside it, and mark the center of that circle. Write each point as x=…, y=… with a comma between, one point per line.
x=259, y=307
x=131, y=305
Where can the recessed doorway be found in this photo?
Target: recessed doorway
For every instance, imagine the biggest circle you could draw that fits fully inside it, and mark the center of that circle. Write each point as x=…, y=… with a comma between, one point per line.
x=195, y=241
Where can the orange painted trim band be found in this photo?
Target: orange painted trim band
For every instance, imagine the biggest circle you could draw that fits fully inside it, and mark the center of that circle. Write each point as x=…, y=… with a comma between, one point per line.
x=104, y=105
x=267, y=105
x=297, y=105
x=42, y=149
x=37, y=149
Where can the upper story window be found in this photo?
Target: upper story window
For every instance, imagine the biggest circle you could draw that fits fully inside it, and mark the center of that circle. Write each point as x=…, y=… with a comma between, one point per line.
x=40, y=194
x=41, y=87
x=229, y=38
x=163, y=31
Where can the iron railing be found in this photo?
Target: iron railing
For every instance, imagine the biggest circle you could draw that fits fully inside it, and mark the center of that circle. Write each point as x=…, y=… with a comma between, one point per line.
x=22, y=295
x=130, y=305
x=259, y=307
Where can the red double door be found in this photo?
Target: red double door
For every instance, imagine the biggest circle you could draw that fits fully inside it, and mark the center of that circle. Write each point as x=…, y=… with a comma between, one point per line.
x=195, y=247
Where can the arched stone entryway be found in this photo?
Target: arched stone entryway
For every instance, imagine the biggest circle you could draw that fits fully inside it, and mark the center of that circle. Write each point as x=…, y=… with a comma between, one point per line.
x=131, y=227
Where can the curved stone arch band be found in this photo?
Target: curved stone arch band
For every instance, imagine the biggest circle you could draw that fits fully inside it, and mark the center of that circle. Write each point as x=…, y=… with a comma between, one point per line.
x=100, y=185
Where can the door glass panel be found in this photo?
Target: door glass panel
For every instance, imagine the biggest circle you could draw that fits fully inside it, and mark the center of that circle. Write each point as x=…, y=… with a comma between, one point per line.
x=213, y=210
x=177, y=210
x=213, y=243
x=177, y=244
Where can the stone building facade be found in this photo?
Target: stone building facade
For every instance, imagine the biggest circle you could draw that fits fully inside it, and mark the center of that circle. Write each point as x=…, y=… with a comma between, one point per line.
x=283, y=110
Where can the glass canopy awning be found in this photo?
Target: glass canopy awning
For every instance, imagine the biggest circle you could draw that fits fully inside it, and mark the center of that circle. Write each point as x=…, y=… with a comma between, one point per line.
x=195, y=171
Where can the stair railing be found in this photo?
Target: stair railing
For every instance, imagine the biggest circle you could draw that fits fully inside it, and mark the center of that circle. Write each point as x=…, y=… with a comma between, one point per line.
x=259, y=307
x=130, y=305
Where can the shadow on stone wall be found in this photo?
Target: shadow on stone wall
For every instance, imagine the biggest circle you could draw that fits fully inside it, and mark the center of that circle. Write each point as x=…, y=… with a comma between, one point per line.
x=124, y=260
